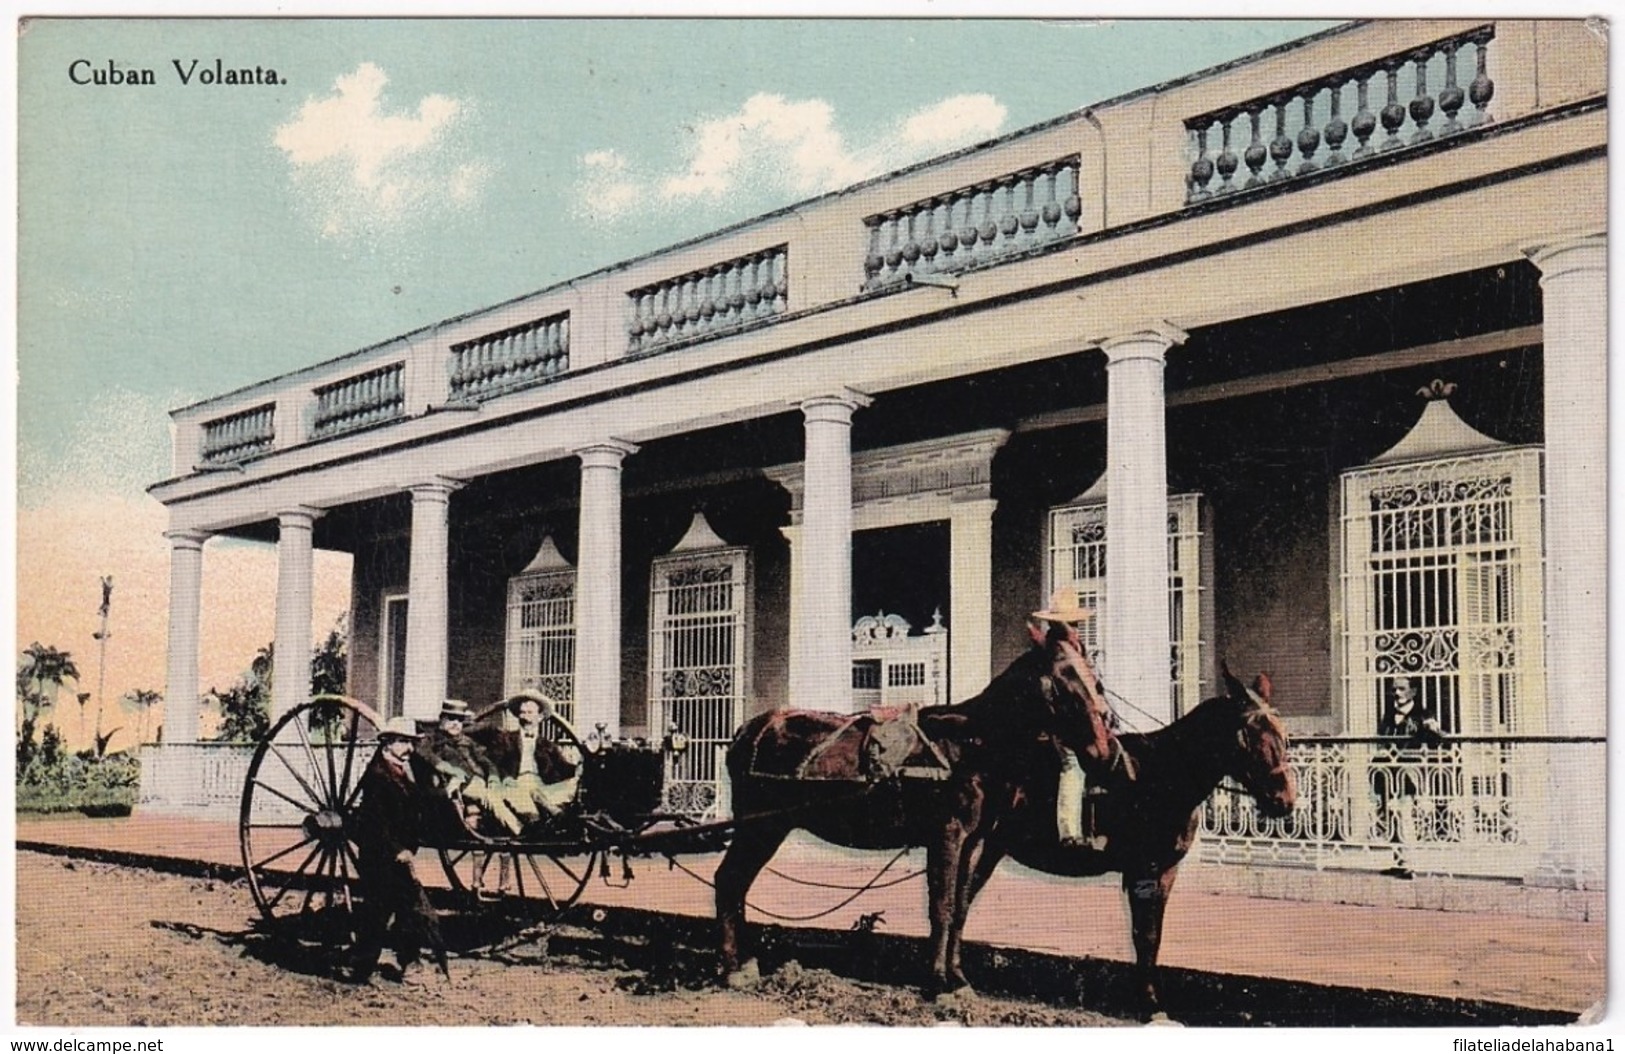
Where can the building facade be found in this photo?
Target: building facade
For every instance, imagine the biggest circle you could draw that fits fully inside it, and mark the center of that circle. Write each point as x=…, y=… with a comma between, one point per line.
x=1299, y=362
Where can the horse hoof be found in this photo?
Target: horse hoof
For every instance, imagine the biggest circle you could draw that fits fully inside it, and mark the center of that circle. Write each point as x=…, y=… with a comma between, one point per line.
x=747, y=976
x=1161, y=1018
x=956, y=997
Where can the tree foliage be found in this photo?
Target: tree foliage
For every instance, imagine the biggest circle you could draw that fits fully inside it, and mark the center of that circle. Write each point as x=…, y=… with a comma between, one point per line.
x=42, y=674
x=140, y=701
x=329, y=663
x=245, y=707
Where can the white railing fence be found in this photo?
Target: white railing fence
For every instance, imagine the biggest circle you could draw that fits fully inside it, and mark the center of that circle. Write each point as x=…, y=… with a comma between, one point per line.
x=1474, y=806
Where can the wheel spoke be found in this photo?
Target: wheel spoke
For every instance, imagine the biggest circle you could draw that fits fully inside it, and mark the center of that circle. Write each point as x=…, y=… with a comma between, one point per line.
x=344, y=890
x=296, y=873
x=332, y=769
x=349, y=758
x=314, y=797
x=536, y=869
x=315, y=766
x=284, y=852
x=333, y=874
x=302, y=806
x=355, y=861
x=310, y=889
x=559, y=863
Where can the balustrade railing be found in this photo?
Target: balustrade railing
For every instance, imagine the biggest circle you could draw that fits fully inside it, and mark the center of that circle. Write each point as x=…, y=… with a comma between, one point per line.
x=1385, y=105
x=356, y=402
x=203, y=780
x=975, y=224
x=240, y=435
x=710, y=301
x=514, y=358
x=1471, y=806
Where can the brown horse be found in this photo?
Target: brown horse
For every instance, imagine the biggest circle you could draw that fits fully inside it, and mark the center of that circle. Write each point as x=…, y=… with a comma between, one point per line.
x=1149, y=825
x=786, y=768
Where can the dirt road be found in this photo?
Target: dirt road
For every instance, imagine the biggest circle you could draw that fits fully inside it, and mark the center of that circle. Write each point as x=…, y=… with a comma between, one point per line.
x=105, y=945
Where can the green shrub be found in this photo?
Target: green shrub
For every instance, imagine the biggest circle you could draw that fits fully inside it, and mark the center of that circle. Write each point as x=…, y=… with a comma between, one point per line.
x=104, y=786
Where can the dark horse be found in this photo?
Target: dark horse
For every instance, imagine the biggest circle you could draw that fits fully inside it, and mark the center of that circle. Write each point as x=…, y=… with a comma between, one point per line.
x=1149, y=825
x=982, y=749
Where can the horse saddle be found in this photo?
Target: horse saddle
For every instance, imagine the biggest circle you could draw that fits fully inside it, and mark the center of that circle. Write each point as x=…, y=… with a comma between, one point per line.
x=862, y=748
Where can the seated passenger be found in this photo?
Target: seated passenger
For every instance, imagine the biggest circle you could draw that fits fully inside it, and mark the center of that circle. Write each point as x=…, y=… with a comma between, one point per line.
x=463, y=771
x=535, y=775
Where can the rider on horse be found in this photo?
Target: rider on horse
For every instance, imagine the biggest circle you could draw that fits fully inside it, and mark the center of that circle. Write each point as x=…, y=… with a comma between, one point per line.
x=1089, y=773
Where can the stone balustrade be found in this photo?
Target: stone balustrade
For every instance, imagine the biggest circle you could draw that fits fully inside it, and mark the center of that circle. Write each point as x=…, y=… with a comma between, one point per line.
x=238, y=436
x=356, y=402
x=976, y=224
x=1348, y=100
x=1404, y=100
x=511, y=359
x=710, y=301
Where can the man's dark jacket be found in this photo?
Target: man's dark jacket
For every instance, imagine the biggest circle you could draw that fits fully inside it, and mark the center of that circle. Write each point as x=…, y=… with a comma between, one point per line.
x=504, y=748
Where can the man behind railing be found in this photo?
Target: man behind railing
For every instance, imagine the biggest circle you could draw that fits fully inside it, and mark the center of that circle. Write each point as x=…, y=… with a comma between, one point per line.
x=1405, y=717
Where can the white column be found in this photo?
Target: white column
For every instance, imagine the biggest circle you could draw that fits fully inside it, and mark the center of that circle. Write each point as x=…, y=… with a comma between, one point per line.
x=970, y=585
x=821, y=647
x=1574, y=278
x=1135, y=631
x=598, y=589
x=295, y=593
x=792, y=534
x=427, y=599
x=185, y=610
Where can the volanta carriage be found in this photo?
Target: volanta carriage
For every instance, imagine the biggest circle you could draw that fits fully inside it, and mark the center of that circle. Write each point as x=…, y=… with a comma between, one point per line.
x=297, y=821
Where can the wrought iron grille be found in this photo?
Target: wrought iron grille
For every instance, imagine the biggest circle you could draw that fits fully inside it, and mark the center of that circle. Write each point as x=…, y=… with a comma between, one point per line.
x=541, y=638
x=698, y=667
x=1441, y=577
x=1077, y=558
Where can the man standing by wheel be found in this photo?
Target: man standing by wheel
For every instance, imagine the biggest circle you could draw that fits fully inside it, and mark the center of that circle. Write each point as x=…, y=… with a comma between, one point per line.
x=389, y=818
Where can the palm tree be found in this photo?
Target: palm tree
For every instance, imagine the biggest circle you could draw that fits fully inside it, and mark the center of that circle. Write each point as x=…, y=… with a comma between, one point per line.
x=44, y=665
x=140, y=700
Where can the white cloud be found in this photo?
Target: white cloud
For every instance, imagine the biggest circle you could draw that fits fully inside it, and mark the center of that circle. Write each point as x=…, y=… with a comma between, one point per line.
x=364, y=170
x=781, y=147
x=953, y=122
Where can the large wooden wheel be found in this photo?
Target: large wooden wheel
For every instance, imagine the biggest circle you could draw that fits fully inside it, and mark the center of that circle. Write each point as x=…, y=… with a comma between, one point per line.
x=537, y=881
x=296, y=825
x=541, y=877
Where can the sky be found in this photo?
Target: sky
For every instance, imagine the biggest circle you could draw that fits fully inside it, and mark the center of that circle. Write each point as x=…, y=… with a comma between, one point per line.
x=181, y=240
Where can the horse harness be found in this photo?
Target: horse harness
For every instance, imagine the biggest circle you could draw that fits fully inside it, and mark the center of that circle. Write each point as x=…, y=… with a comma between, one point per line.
x=866, y=748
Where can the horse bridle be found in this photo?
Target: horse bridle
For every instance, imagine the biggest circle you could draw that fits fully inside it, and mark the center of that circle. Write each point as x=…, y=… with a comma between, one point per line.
x=1262, y=714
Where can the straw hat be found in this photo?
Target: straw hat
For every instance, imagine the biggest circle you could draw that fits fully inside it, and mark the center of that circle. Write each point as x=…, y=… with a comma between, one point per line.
x=1063, y=607
x=531, y=695
x=455, y=709
x=399, y=728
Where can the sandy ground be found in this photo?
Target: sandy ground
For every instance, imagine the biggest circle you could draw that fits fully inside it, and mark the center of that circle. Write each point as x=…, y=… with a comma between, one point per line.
x=126, y=946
